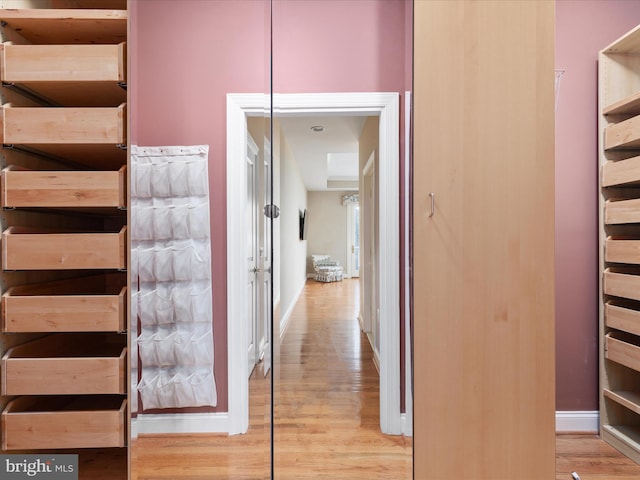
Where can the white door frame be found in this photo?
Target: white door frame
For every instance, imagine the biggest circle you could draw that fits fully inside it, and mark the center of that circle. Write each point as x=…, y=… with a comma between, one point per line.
x=368, y=279
x=350, y=247
x=386, y=106
x=253, y=317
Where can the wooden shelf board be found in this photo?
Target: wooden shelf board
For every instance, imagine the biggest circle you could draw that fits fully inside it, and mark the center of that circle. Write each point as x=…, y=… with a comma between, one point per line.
x=618, y=212
x=623, y=135
x=630, y=400
x=622, y=251
x=624, y=438
x=38, y=188
x=26, y=248
x=627, y=106
x=67, y=26
x=619, y=349
x=617, y=315
x=64, y=422
x=621, y=172
x=628, y=43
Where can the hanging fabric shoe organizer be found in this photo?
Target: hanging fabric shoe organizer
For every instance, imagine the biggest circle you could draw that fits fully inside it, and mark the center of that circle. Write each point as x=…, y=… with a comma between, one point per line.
x=171, y=295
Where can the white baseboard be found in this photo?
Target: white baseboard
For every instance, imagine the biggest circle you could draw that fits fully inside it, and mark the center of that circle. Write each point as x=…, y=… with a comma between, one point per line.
x=376, y=357
x=180, y=423
x=577, y=421
x=407, y=428
x=284, y=319
x=566, y=422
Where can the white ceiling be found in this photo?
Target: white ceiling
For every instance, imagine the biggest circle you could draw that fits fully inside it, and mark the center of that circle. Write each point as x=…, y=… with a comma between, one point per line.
x=327, y=157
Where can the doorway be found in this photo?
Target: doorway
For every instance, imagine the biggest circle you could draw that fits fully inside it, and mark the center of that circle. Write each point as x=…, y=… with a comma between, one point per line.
x=384, y=105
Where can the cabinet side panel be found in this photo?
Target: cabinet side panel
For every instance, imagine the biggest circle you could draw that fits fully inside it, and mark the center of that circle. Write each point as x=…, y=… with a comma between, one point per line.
x=484, y=262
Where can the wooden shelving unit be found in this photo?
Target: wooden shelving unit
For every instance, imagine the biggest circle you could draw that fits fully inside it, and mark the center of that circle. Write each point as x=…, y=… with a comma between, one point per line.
x=619, y=125
x=64, y=372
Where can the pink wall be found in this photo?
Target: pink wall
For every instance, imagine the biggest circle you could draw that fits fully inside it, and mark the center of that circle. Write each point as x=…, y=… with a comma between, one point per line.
x=187, y=55
x=583, y=28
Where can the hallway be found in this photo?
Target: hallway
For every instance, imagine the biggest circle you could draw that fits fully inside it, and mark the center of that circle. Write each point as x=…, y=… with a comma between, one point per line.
x=327, y=394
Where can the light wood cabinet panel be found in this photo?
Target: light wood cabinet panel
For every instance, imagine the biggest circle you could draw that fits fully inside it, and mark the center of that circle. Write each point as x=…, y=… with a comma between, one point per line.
x=484, y=260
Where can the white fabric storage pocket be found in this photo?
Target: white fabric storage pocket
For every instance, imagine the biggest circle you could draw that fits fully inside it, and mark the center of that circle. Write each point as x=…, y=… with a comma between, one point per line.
x=181, y=296
x=142, y=223
x=142, y=178
x=194, y=348
x=195, y=390
x=200, y=261
x=163, y=264
x=162, y=229
x=157, y=390
x=181, y=256
x=161, y=180
x=163, y=304
x=146, y=261
x=147, y=310
x=199, y=221
x=202, y=305
x=179, y=216
x=179, y=174
x=164, y=389
x=158, y=349
x=198, y=178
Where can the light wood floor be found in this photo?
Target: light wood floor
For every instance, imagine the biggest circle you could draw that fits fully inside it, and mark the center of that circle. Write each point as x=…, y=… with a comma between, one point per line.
x=326, y=415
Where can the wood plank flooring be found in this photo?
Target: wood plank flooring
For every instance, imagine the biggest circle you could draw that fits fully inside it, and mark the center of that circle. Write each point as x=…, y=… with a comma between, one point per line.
x=326, y=415
x=327, y=395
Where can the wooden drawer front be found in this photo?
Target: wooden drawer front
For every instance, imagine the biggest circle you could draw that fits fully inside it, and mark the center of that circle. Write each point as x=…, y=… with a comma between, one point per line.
x=622, y=251
x=625, y=134
x=63, y=63
x=85, y=125
x=27, y=250
x=622, y=318
x=622, y=352
x=42, y=423
x=66, y=306
x=622, y=211
x=25, y=188
x=621, y=172
x=621, y=285
x=68, y=25
x=64, y=365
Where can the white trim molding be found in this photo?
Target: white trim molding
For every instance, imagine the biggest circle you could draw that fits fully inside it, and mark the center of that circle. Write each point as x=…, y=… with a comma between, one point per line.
x=384, y=105
x=583, y=421
x=180, y=423
x=284, y=319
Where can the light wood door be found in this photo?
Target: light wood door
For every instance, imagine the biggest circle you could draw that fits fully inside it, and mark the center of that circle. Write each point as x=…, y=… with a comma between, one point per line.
x=484, y=262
